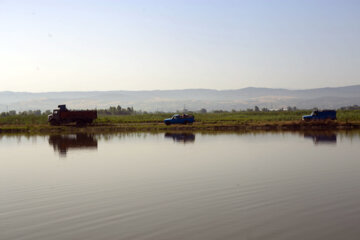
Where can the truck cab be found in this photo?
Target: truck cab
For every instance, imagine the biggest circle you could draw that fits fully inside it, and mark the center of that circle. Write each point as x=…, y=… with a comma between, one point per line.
x=55, y=116
x=180, y=119
x=320, y=115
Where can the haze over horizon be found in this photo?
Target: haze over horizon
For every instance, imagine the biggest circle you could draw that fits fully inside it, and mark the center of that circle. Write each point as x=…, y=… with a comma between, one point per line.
x=185, y=89
x=161, y=45
x=193, y=99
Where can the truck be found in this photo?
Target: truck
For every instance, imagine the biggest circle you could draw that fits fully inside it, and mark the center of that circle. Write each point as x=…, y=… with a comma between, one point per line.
x=320, y=115
x=63, y=116
x=180, y=119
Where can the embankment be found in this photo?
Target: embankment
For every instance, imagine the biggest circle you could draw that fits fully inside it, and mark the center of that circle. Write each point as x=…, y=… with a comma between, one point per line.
x=196, y=127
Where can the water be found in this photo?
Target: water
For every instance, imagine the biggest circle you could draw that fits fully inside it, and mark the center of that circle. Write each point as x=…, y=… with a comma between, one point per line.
x=180, y=186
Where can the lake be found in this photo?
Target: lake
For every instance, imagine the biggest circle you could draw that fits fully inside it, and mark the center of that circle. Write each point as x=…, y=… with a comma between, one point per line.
x=180, y=186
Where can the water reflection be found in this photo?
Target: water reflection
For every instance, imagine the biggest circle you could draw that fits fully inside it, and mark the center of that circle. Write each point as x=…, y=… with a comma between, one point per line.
x=321, y=137
x=181, y=137
x=148, y=186
x=62, y=143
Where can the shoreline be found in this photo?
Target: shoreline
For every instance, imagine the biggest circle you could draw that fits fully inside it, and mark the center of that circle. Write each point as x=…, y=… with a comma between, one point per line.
x=221, y=126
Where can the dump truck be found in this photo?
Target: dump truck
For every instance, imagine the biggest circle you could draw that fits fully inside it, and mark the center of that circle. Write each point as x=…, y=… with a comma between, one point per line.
x=63, y=116
x=180, y=119
x=320, y=115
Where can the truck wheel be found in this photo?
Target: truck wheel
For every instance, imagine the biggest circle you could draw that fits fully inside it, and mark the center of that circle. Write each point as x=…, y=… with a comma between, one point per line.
x=167, y=123
x=185, y=122
x=80, y=123
x=54, y=123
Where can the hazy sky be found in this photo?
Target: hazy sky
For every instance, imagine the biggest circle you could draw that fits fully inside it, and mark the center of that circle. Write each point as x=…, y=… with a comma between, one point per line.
x=144, y=45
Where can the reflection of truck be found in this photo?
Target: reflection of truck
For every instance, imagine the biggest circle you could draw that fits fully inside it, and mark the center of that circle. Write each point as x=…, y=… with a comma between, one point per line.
x=64, y=116
x=181, y=137
x=62, y=143
x=321, y=137
x=320, y=115
x=180, y=119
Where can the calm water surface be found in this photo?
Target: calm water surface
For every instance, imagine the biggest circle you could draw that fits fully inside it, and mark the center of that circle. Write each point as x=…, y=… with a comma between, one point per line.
x=180, y=186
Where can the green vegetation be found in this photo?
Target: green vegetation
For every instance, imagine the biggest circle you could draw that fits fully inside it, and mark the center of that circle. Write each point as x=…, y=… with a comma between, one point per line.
x=239, y=117
x=23, y=120
x=134, y=118
x=227, y=117
x=348, y=115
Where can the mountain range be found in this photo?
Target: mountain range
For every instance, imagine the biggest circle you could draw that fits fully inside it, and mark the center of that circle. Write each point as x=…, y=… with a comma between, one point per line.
x=191, y=99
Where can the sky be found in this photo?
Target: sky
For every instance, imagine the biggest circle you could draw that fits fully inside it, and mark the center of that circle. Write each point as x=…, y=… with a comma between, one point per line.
x=146, y=45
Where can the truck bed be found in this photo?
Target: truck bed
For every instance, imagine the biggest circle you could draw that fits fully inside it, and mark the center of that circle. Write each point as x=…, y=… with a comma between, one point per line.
x=78, y=114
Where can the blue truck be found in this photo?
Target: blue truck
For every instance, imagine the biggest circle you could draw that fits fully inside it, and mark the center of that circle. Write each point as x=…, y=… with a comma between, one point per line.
x=180, y=119
x=320, y=115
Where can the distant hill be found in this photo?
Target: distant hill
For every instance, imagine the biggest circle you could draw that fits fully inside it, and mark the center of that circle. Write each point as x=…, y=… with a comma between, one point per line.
x=192, y=99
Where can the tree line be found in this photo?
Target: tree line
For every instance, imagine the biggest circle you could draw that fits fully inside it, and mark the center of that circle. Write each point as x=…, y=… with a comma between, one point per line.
x=25, y=113
x=118, y=110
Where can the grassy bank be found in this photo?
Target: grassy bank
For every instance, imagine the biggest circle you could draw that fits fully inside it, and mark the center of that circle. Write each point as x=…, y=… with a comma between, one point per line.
x=231, y=121
x=211, y=118
x=227, y=117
